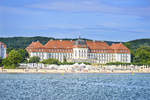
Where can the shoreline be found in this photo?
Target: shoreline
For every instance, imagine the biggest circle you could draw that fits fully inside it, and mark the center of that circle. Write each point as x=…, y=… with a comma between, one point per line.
x=47, y=71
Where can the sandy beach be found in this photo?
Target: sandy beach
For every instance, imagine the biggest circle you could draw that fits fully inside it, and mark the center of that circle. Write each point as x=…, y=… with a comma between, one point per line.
x=71, y=71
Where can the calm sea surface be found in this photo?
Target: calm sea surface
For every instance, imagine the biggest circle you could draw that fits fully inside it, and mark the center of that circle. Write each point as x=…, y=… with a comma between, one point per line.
x=74, y=87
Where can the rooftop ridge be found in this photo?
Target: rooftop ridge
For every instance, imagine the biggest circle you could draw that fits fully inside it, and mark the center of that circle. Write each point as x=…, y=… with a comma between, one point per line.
x=65, y=44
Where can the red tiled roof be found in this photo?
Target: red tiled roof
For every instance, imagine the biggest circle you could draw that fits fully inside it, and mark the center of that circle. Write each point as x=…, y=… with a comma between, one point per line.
x=1, y=43
x=68, y=45
x=119, y=48
x=97, y=45
x=34, y=47
x=36, y=44
x=80, y=46
x=59, y=44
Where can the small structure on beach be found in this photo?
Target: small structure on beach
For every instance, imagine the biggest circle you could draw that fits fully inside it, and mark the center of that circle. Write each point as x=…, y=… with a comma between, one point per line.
x=3, y=49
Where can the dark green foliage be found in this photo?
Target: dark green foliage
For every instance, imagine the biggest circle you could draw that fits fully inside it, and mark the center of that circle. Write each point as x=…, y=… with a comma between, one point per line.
x=142, y=55
x=67, y=63
x=71, y=63
x=6, y=62
x=86, y=63
x=13, y=66
x=13, y=59
x=117, y=63
x=133, y=45
x=9, y=49
x=139, y=49
x=24, y=54
x=34, y=59
x=1, y=62
x=51, y=61
x=23, y=42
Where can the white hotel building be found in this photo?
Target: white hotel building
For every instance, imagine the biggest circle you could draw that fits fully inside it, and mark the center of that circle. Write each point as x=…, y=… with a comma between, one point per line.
x=80, y=51
x=3, y=48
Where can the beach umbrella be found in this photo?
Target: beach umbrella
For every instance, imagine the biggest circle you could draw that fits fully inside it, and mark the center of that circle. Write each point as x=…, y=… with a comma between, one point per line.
x=62, y=67
x=76, y=64
x=82, y=65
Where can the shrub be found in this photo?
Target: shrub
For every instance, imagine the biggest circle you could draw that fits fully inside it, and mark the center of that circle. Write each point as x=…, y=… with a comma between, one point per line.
x=1, y=60
x=34, y=59
x=67, y=63
x=13, y=66
x=51, y=61
x=86, y=63
x=117, y=63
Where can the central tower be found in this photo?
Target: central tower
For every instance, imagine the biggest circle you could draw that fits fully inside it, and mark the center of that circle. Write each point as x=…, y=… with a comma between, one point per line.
x=80, y=49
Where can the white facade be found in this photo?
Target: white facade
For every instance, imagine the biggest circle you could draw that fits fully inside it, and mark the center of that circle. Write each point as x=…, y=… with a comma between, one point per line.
x=81, y=51
x=82, y=55
x=2, y=50
x=123, y=57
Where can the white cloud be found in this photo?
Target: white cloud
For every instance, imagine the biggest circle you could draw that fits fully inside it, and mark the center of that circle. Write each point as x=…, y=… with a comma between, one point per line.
x=18, y=10
x=74, y=6
x=91, y=6
x=77, y=6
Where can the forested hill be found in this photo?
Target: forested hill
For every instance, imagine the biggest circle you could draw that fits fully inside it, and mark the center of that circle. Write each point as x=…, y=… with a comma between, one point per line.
x=134, y=44
x=23, y=42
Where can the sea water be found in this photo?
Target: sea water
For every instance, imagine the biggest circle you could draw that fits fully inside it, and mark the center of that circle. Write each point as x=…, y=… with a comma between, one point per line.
x=74, y=86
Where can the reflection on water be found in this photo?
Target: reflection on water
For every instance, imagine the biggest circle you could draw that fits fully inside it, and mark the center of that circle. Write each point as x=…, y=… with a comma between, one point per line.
x=74, y=87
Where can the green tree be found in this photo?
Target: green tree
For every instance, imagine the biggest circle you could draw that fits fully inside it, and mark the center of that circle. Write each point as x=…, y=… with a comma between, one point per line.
x=130, y=46
x=1, y=61
x=142, y=55
x=34, y=59
x=50, y=61
x=8, y=50
x=24, y=54
x=13, y=59
x=7, y=64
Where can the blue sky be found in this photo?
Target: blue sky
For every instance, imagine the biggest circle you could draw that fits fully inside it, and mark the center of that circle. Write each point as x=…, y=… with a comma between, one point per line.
x=115, y=20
